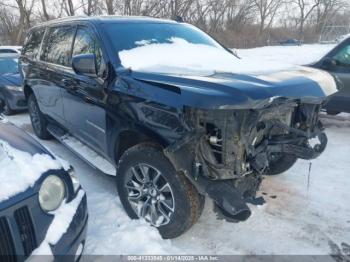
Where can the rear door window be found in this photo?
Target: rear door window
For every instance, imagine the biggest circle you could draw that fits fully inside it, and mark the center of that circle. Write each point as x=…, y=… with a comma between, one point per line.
x=58, y=44
x=33, y=42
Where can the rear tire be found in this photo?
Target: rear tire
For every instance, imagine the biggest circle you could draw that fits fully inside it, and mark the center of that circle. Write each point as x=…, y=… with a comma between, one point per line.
x=184, y=202
x=38, y=119
x=280, y=164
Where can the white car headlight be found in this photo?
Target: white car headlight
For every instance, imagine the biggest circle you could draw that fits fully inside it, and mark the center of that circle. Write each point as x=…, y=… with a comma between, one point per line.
x=51, y=193
x=15, y=88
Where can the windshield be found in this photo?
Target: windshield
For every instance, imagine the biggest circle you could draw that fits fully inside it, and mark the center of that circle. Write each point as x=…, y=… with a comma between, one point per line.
x=128, y=36
x=8, y=65
x=177, y=49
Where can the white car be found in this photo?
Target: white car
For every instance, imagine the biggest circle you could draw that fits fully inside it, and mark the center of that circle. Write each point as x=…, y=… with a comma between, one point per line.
x=10, y=49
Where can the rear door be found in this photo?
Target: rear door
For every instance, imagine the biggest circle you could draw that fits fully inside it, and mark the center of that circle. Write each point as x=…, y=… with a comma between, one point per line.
x=28, y=62
x=84, y=102
x=54, y=64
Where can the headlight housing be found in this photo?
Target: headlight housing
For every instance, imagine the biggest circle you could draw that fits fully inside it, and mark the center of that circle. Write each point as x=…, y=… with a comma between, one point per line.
x=15, y=88
x=52, y=193
x=74, y=179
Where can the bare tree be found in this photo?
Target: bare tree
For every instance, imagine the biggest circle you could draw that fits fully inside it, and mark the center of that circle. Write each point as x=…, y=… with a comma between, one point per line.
x=91, y=7
x=238, y=13
x=240, y=23
x=267, y=10
x=110, y=7
x=69, y=7
x=8, y=26
x=25, y=11
x=44, y=10
x=327, y=11
x=305, y=8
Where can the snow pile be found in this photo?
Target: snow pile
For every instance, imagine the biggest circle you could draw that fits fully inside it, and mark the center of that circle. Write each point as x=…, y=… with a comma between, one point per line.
x=110, y=225
x=20, y=170
x=63, y=217
x=296, y=55
x=184, y=58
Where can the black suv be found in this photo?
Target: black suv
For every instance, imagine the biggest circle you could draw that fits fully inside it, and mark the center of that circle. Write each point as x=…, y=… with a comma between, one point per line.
x=173, y=133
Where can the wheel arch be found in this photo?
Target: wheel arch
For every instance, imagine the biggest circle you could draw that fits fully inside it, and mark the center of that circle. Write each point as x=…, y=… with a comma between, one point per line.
x=125, y=138
x=27, y=91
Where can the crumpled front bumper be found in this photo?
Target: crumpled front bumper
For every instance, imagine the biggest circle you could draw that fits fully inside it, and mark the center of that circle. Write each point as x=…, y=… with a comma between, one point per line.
x=227, y=151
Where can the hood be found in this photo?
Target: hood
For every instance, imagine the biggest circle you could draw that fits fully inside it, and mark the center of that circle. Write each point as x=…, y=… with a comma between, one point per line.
x=20, y=140
x=23, y=162
x=11, y=79
x=232, y=91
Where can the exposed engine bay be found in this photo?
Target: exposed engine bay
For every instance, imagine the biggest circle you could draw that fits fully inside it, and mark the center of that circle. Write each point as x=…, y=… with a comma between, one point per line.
x=227, y=152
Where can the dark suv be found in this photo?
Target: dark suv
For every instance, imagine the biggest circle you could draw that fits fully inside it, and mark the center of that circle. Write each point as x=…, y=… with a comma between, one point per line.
x=337, y=62
x=174, y=133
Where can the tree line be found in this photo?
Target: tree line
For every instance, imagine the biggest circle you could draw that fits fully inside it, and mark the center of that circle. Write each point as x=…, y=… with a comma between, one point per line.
x=235, y=23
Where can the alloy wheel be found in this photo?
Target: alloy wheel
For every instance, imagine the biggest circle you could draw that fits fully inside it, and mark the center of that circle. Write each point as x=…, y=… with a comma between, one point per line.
x=150, y=195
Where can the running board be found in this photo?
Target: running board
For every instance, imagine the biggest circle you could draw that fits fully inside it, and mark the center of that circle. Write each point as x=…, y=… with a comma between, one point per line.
x=82, y=151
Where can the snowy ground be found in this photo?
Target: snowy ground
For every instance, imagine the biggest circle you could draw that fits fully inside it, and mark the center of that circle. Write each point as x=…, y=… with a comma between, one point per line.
x=300, y=217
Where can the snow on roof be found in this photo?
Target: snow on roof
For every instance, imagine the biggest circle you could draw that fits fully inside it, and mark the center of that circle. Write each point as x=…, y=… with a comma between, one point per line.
x=184, y=58
x=20, y=170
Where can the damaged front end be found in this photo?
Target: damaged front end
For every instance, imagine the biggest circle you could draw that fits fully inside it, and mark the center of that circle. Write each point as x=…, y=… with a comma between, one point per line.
x=227, y=151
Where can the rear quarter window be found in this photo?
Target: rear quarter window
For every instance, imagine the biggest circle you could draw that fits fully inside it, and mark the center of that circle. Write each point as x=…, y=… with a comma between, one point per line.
x=58, y=44
x=32, y=47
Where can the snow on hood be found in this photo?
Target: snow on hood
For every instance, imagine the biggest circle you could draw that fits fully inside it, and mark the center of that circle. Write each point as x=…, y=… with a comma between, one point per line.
x=325, y=80
x=20, y=170
x=184, y=58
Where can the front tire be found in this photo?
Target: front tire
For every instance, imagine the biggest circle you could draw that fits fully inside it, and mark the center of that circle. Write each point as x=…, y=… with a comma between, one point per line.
x=38, y=119
x=149, y=187
x=279, y=164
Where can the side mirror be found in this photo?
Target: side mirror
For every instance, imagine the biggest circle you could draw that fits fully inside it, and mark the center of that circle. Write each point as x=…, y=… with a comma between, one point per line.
x=85, y=64
x=328, y=63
